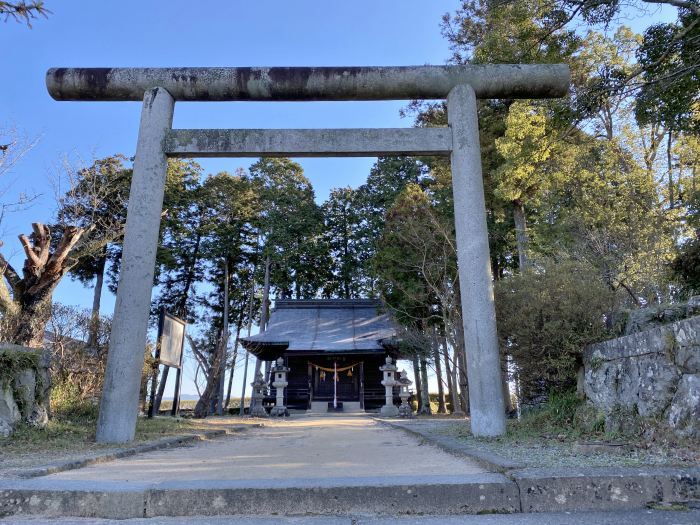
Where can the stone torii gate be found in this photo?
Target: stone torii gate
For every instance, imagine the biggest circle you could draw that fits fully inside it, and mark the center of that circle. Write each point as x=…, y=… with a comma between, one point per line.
x=159, y=88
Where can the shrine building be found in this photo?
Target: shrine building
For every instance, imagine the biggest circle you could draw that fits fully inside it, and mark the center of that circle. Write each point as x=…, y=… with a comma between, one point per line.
x=348, y=339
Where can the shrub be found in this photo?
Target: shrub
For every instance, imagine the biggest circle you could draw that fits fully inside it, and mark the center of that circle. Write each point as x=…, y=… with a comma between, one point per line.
x=546, y=317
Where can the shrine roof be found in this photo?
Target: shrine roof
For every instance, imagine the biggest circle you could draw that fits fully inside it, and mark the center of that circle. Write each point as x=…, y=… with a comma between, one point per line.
x=325, y=325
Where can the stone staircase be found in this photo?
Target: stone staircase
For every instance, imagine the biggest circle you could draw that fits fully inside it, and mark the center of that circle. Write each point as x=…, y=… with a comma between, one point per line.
x=321, y=407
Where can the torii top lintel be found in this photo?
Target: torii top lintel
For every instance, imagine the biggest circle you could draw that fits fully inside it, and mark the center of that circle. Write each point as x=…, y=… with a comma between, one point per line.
x=309, y=83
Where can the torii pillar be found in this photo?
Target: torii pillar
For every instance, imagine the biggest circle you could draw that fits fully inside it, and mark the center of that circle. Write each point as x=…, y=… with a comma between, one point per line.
x=159, y=88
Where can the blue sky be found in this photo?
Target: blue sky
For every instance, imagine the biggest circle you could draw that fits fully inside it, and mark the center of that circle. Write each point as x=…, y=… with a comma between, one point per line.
x=179, y=33
x=185, y=33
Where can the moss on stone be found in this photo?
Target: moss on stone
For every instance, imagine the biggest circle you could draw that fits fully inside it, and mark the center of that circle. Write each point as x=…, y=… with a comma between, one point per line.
x=12, y=362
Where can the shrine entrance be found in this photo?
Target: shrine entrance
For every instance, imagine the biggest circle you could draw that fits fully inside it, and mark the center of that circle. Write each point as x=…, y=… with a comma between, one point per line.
x=160, y=88
x=335, y=379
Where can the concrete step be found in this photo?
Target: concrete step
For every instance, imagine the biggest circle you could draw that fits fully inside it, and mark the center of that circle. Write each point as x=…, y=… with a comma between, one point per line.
x=386, y=495
x=534, y=491
x=646, y=517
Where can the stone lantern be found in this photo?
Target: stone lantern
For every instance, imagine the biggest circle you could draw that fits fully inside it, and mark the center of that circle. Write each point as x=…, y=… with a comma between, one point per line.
x=389, y=370
x=279, y=372
x=258, y=410
x=405, y=409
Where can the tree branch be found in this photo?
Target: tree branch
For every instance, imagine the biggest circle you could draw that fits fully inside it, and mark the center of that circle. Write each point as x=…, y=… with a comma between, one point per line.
x=681, y=4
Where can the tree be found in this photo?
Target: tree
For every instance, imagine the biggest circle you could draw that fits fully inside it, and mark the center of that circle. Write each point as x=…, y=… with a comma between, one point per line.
x=25, y=301
x=230, y=248
x=291, y=228
x=416, y=264
x=13, y=146
x=179, y=259
x=670, y=72
x=545, y=318
x=97, y=198
x=342, y=222
x=23, y=11
x=387, y=179
x=521, y=178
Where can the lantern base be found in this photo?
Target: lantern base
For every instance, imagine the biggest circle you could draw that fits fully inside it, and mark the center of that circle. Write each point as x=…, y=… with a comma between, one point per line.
x=279, y=412
x=389, y=411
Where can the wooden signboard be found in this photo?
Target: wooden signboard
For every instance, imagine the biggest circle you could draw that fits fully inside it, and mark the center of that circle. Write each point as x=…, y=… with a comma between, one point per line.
x=170, y=347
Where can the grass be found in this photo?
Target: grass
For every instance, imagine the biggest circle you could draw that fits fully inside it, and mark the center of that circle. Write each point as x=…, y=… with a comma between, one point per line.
x=71, y=431
x=564, y=416
x=546, y=437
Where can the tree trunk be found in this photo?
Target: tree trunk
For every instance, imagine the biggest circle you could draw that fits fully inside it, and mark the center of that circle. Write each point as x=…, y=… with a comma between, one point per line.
x=438, y=372
x=448, y=374
x=521, y=239
x=506, y=390
x=43, y=270
x=669, y=167
x=161, y=390
x=224, y=344
x=464, y=387
x=34, y=315
x=264, y=313
x=425, y=409
x=233, y=361
x=419, y=383
x=460, y=365
x=241, y=407
x=459, y=401
x=96, y=299
x=205, y=405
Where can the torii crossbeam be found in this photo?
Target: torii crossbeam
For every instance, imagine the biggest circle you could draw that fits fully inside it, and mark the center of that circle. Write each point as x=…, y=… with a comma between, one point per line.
x=159, y=88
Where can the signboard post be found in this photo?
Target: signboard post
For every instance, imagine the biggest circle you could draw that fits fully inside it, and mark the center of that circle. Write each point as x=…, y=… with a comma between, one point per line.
x=169, y=352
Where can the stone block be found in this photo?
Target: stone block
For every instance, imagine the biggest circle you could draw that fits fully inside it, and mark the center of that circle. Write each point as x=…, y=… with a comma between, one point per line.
x=25, y=390
x=652, y=374
x=686, y=350
x=647, y=382
x=9, y=411
x=684, y=414
x=604, y=489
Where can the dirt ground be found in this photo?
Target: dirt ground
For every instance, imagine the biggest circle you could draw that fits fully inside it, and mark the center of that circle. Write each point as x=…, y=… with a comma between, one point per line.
x=298, y=447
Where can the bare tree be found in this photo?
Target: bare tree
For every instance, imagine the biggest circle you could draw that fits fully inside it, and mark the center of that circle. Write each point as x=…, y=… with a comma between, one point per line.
x=23, y=11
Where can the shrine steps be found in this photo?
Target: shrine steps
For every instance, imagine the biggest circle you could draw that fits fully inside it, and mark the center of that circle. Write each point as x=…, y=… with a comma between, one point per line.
x=321, y=407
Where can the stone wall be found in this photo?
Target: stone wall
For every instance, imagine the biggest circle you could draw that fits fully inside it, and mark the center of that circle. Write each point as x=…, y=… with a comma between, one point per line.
x=654, y=373
x=24, y=387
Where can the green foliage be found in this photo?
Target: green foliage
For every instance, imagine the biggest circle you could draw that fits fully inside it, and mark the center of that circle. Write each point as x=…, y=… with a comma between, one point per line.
x=668, y=57
x=545, y=318
x=13, y=362
x=343, y=221
x=291, y=228
x=524, y=148
x=69, y=404
x=686, y=264
x=519, y=31
x=560, y=414
x=416, y=259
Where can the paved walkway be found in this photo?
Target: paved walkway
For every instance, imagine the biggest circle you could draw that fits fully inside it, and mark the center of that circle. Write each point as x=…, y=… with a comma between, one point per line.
x=300, y=447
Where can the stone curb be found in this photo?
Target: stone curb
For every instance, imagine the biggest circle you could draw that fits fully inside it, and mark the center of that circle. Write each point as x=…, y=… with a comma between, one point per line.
x=584, y=489
x=488, y=460
x=605, y=488
x=105, y=457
